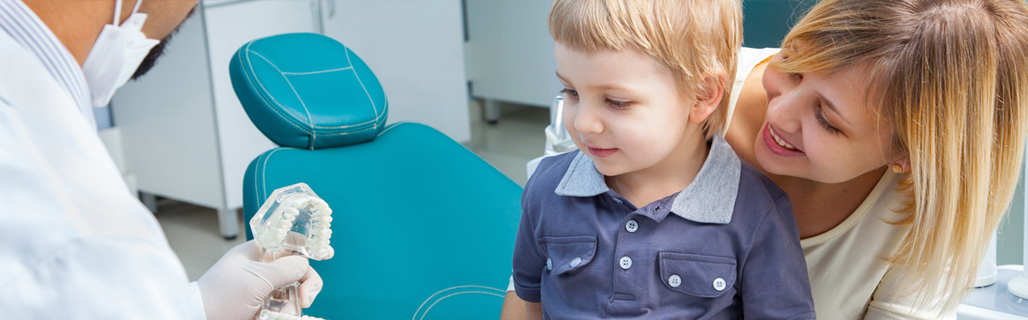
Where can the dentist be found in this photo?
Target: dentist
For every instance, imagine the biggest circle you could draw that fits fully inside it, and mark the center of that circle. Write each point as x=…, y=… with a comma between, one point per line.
x=74, y=243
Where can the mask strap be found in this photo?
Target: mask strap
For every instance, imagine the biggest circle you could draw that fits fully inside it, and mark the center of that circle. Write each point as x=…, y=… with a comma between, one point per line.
x=117, y=12
x=135, y=9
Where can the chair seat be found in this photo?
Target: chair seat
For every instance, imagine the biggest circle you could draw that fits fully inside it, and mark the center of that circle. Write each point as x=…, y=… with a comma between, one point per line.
x=422, y=227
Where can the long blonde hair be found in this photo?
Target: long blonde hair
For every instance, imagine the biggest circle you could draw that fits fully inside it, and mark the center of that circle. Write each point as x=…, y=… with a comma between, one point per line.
x=951, y=77
x=689, y=38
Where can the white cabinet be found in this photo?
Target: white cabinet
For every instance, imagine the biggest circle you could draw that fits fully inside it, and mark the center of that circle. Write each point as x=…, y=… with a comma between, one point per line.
x=510, y=52
x=185, y=135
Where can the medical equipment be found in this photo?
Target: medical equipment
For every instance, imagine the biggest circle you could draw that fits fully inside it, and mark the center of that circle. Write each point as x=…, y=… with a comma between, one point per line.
x=293, y=221
x=557, y=138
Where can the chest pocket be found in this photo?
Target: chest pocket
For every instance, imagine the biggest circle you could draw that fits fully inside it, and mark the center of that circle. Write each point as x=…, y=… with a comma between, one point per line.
x=697, y=275
x=567, y=254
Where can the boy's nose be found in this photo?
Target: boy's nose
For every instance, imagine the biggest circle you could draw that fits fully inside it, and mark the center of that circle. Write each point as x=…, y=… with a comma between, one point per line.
x=586, y=121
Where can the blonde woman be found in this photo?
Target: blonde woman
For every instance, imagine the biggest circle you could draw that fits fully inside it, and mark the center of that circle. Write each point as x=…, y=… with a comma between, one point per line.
x=897, y=127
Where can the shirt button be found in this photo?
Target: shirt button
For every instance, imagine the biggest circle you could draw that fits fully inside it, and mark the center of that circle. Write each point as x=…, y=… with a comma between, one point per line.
x=674, y=281
x=549, y=264
x=719, y=284
x=625, y=262
x=631, y=226
x=576, y=262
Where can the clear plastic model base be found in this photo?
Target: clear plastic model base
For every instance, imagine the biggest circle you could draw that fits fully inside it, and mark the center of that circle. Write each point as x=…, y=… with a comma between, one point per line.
x=293, y=221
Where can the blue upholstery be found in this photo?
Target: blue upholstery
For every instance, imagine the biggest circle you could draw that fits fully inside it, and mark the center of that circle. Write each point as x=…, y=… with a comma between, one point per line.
x=765, y=22
x=319, y=97
x=422, y=228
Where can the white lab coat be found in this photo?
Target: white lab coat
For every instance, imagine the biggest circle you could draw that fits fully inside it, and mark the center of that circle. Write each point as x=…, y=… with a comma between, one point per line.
x=74, y=243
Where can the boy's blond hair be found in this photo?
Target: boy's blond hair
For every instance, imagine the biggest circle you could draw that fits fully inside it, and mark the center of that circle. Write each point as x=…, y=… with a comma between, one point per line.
x=692, y=38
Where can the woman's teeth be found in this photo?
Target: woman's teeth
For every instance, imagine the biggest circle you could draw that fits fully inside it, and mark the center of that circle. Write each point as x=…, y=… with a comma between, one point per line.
x=780, y=141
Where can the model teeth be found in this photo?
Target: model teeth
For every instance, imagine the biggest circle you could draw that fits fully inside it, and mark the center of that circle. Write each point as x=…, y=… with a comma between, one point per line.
x=780, y=141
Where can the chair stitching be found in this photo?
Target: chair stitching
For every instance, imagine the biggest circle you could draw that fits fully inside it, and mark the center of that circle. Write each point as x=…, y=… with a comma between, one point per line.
x=454, y=294
x=441, y=291
x=315, y=72
x=264, y=90
x=373, y=107
x=311, y=123
x=390, y=127
x=310, y=120
x=264, y=170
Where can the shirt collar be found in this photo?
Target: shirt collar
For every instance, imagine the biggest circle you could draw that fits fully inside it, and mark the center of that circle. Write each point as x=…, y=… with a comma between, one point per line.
x=710, y=198
x=25, y=27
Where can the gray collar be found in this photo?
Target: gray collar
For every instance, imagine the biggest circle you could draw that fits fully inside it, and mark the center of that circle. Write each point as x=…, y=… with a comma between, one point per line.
x=710, y=198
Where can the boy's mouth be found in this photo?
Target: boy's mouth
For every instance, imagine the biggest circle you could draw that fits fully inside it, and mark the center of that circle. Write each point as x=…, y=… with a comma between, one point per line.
x=777, y=145
x=602, y=153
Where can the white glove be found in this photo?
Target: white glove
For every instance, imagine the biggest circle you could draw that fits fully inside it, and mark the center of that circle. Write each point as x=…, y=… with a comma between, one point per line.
x=235, y=287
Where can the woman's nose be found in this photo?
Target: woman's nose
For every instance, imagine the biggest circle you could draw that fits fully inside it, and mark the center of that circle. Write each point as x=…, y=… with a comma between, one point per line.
x=783, y=111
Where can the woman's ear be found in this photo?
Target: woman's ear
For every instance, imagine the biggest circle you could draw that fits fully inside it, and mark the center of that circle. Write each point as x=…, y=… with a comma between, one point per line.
x=901, y=165
x=708, y=96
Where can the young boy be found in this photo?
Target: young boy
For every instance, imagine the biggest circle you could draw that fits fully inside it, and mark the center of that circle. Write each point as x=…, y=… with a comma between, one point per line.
x=655, y=217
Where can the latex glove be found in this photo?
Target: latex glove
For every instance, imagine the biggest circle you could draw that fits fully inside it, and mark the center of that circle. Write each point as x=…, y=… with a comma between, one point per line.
x=235, y=287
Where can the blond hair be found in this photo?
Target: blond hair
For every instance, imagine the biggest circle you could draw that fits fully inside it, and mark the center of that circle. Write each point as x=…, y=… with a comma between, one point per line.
x=950, y=77
x=689, y=37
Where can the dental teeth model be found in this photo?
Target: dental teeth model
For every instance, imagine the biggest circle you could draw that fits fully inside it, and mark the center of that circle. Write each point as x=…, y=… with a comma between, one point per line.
x=293, y=221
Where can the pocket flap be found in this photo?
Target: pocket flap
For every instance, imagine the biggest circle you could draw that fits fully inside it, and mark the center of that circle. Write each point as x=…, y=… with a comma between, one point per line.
x=566, y=254
x=698, y=275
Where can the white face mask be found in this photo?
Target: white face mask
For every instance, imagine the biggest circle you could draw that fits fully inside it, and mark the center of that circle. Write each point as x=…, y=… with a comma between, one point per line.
x=116, y=55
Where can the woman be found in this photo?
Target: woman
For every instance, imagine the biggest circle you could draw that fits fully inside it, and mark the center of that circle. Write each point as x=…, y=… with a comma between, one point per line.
x=897, y=128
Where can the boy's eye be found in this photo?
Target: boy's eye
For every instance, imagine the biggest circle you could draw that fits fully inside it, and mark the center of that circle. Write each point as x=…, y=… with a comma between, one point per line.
x=618, y=104
x=572, y=94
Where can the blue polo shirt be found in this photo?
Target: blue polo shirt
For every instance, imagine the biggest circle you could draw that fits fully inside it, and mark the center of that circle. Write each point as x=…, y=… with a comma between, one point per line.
x=725, y=247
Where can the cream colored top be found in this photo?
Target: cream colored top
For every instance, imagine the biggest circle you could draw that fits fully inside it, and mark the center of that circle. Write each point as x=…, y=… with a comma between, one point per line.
x=848, y=279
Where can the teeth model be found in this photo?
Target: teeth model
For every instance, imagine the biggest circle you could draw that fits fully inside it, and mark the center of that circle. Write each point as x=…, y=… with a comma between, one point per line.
x=293, y=221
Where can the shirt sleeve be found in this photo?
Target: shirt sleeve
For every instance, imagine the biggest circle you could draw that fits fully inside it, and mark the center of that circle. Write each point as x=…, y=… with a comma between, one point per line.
x=774, y=276
x=529, y=259
x=890, y=303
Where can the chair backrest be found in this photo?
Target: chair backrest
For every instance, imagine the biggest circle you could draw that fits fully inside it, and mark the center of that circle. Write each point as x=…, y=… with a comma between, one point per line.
x=422, y=227
x=765, y=22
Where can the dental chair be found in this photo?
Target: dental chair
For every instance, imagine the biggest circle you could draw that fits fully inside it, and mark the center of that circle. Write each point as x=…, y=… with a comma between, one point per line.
x=422, y=227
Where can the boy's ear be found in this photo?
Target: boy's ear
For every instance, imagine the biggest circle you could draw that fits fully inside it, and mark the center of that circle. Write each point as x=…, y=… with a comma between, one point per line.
x=708, y=96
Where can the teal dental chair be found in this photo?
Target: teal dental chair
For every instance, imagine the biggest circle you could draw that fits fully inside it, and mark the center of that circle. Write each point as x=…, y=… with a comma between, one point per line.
x=422, y=227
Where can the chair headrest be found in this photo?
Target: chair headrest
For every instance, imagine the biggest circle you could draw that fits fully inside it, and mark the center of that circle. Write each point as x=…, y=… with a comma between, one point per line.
x=306, y=90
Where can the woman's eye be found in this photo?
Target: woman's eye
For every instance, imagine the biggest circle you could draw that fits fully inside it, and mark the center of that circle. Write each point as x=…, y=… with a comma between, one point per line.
x=572, y=94
x=797, y=76
x=824, y=122
x=618, y=104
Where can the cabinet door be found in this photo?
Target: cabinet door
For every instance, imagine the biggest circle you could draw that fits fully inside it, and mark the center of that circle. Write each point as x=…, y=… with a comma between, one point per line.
x=510, y=51
x=230, y=25
x=416, y=49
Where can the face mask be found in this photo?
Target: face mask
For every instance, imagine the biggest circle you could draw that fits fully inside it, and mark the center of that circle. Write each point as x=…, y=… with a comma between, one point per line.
x=116, y=55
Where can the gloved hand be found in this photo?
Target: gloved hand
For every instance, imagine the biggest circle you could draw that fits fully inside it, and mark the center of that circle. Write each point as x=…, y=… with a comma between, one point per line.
x=237, y=284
